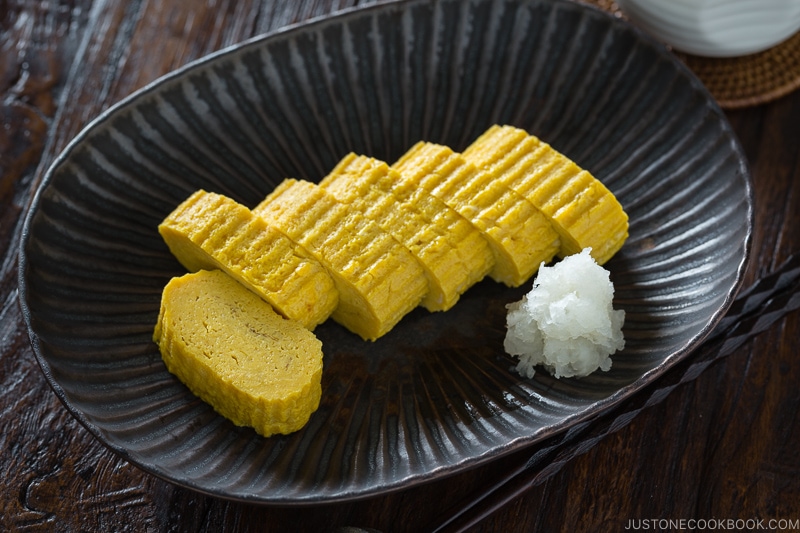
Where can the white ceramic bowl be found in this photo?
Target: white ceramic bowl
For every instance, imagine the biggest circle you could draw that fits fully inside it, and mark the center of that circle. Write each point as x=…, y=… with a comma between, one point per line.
x=716, y=28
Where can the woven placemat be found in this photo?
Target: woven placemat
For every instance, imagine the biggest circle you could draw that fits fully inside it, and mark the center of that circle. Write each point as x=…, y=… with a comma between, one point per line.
x=737, y=82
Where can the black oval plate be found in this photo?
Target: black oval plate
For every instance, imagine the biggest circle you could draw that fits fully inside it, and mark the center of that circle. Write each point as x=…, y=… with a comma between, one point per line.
x=436, y=395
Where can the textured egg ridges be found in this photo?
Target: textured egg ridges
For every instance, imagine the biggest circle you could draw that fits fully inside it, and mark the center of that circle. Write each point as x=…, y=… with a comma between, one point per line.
x=372, y=241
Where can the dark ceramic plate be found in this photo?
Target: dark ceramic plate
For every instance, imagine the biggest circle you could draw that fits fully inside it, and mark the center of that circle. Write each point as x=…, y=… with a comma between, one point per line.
x=436, y=395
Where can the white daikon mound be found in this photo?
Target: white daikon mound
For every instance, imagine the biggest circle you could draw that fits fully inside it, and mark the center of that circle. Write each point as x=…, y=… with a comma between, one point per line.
x=566, y=323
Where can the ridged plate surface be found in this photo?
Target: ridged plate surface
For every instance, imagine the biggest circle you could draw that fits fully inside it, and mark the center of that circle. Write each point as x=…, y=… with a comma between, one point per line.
x=436, y=395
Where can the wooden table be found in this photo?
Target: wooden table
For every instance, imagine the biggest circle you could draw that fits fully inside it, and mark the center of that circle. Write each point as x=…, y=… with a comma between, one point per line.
x=725, y=446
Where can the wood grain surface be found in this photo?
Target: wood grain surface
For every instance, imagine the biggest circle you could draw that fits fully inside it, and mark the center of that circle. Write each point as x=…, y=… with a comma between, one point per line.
x=725, y=446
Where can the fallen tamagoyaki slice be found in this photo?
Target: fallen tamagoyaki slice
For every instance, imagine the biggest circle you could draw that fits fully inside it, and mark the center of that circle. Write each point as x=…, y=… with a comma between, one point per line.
x=520, y=236
x=452, y=253
x=231, y=349
x=378, y=279
x=583, y=211
x=211, y=231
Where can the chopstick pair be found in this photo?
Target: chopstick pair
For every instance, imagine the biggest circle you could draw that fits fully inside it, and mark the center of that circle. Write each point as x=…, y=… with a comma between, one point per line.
x=753, y=311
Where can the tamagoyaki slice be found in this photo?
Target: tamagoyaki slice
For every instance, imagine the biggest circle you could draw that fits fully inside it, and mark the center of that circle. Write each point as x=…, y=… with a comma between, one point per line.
x=452, y=253
x=378, y=279
x=211, y=231
x=520, y=236
x=231, y=349
x=583, y=211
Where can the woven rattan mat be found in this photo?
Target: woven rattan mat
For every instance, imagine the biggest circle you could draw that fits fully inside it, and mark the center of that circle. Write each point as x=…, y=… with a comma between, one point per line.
x=744, y=81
